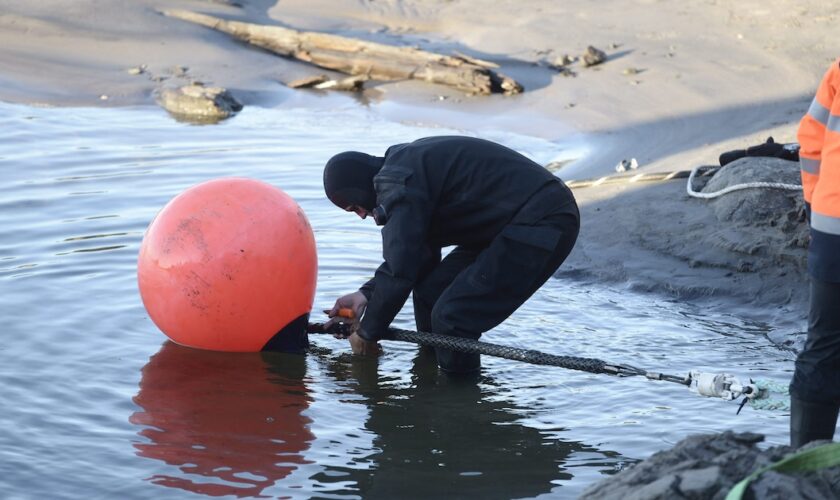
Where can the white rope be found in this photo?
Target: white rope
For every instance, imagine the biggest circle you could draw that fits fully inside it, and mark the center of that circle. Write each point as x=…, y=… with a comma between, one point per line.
x=735, y=187
x=775, y=396
x=632, y=178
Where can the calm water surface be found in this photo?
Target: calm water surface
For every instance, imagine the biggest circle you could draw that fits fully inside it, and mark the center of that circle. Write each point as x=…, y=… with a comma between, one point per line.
x=97, y=404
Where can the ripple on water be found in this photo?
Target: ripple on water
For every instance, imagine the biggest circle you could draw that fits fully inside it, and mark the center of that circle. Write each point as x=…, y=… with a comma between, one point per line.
x=94, y=400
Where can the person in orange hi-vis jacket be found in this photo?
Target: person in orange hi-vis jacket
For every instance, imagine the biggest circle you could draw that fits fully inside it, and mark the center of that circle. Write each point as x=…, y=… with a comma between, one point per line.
x=815, y=388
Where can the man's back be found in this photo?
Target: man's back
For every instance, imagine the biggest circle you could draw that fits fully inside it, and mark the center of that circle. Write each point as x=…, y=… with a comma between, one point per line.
x=473, y=187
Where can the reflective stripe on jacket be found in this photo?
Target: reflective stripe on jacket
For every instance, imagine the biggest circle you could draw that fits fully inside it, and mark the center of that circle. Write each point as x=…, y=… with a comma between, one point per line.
x=819, y=139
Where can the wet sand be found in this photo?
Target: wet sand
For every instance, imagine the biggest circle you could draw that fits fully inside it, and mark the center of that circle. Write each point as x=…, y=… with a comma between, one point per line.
x=683, y=82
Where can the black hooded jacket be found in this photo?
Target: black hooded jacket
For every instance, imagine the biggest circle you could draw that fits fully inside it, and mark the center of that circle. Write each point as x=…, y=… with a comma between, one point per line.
x=436, y=192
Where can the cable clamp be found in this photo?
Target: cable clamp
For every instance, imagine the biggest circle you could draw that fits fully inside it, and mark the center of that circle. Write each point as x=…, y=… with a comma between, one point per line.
x=722, y=385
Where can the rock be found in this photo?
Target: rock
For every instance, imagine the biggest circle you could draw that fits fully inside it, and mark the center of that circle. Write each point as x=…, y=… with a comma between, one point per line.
x=625, y=165
x=708, y=466
x=137, y=70
x=593, y=56
x=566, y=71
x=700, y=483
x=663, y=488
x=563, y=60
x=756, y=205
x=198, y=103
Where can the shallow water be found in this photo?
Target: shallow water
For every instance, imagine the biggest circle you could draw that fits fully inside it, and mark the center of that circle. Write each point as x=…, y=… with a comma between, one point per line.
x=96, y=403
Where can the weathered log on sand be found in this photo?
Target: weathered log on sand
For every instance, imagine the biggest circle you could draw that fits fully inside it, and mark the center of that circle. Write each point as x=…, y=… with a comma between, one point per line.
x=375, y=61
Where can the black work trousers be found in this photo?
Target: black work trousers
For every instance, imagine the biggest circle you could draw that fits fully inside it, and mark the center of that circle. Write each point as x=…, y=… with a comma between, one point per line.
x=474, y=289
x=817, y=375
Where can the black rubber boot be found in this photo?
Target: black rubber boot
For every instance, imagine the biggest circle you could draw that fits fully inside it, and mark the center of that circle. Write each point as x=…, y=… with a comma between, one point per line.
x=458, y=363
x=811, y=421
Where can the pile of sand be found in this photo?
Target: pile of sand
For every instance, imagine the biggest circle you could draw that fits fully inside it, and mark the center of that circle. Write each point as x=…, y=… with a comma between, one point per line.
x=748, y=245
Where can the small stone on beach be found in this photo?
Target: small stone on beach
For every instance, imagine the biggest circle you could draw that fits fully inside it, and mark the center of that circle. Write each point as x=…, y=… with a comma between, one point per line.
x=625, y=165
x=199, y=103
x=593, y=56
x=564, y=60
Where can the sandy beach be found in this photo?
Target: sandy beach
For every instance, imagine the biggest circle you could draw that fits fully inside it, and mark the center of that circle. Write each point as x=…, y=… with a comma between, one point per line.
x=682, y=83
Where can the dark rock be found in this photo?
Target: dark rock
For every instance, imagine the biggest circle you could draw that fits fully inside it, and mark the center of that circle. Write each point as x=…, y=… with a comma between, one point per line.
x=756, y=204
x=198, y=103
x=593, y=56
x=708, y=466
x=779, y=212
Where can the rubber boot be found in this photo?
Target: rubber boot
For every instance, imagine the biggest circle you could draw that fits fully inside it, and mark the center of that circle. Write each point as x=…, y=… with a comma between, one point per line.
x=811, y=421
x=458, y=363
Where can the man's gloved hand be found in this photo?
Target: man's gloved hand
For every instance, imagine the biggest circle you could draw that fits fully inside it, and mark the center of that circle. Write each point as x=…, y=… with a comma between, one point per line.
x=356, y=302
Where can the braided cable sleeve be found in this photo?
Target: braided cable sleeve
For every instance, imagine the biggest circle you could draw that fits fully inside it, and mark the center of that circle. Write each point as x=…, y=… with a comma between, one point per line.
x=590, y=365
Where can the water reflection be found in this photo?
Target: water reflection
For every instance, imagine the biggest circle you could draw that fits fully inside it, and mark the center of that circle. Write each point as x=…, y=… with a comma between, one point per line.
x=231, y=423
x=451, y=437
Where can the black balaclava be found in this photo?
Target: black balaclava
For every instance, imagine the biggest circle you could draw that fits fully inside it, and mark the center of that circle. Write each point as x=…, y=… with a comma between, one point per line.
x=348, y=179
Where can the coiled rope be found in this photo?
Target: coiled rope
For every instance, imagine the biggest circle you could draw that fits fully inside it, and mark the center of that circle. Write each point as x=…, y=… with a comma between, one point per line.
x=780, y=399
x=689, y=187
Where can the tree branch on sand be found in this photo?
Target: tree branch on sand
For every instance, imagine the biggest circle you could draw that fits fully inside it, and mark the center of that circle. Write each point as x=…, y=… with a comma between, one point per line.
x=375, y=61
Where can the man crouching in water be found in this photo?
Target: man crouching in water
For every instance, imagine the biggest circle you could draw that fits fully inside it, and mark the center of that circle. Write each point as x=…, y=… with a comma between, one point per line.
x=511, y=221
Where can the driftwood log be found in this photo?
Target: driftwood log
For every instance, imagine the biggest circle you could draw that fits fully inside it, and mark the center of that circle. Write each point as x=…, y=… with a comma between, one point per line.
x=375, y=61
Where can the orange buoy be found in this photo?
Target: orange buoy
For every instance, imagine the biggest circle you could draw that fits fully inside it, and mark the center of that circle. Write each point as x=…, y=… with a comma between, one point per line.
x=228, y=264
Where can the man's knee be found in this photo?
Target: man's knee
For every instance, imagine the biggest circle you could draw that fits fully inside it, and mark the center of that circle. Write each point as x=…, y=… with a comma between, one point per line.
x=447, y=321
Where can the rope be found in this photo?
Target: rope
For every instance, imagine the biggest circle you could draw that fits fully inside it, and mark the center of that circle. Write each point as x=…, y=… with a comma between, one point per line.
x=706, y=384
x=629, y=178
x=460, y=344
x=768, y=387
x=735, y=187
x=590, y=365
x=701, y=171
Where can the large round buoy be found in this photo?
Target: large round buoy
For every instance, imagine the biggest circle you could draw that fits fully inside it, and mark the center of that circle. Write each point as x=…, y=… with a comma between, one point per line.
x=228, y=264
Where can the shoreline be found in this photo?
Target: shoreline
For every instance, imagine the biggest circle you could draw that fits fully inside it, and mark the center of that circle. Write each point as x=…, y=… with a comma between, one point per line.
x=681, y=84
x=705, y=79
